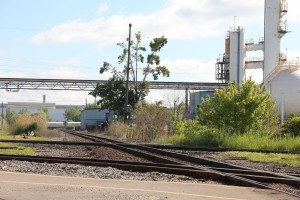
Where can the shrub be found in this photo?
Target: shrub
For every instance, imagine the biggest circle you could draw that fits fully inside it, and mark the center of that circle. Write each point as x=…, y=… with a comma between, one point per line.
x=25, y=124
x=292, y=125
x=120, y=129
x=151, y=121
x=239, y=108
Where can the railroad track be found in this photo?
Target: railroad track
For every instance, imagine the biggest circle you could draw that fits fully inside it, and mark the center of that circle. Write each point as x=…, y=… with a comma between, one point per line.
x=157, y=146
x=169, y=162
x=230, y=173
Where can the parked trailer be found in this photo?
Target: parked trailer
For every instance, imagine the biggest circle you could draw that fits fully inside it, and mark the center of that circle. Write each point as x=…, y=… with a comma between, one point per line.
x=63, y=124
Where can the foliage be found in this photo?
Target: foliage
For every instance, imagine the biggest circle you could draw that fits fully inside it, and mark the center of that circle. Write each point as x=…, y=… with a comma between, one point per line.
x=190, y=132
x=239, y=108
x=4, y=126
x=24, y=112
x=151, y=120
x=43, y=113
x=205, y=136
x=178, y=124
x=25, y=129
x=10, y=116
x=20, y=150
x=284, y=159
x=72, y=114
x=113, y=95
x=25, y=124
x=92, y=105
x=175, y=101
x=115, y=90
x=120, y=129
x=292, y=125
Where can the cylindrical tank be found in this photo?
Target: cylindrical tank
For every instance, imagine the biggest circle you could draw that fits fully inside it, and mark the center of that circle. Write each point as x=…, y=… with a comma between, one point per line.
x=271, y=36
x=285, y=89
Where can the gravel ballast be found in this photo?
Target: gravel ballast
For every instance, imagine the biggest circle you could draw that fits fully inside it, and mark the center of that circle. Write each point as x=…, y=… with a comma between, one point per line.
x=61, y=169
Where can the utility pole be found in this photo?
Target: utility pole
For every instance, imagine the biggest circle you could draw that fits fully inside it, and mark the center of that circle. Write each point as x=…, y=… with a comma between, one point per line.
x=127, y=76
x=2, y=117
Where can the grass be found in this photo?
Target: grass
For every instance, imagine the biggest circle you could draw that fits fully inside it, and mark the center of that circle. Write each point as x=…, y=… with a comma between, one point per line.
x=16, y=149
x=283, y=159
x=213, y=138
x=19, y=150
x=262, y=142
x=6, y=136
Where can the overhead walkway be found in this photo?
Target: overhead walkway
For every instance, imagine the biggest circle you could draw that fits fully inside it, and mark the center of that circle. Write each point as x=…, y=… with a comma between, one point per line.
x=16, y=84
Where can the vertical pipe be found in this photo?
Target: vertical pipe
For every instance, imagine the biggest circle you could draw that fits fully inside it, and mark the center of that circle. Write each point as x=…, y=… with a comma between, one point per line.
x=127, y=76
x=186, y=100
x=238, y=55
x=2, y=116
x=282, y=109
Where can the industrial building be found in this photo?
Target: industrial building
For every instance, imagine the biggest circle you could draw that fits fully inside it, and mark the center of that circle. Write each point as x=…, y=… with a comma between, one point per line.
x=195, y=100
x=95, y=118
x=280, y=76
x=56, y=112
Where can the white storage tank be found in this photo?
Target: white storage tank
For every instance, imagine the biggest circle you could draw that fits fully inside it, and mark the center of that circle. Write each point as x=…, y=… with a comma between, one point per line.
x=285, y=88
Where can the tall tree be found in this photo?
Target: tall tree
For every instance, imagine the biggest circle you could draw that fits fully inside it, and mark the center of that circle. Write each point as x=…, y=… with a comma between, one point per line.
x=72, y=114
x=112, y=93
x=238, y=108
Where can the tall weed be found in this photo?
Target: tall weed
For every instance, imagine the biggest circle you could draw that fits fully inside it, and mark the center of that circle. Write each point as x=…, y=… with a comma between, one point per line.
x=25, y=123
x=189, y=132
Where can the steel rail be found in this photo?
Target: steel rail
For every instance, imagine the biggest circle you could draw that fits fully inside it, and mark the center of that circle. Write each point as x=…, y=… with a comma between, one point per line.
x=135, y=152
x=267, y=177
x=123, y=165
x=140, y=167
x=189, y=170
x=216, y=149
x=165, y=147
x=101, y=144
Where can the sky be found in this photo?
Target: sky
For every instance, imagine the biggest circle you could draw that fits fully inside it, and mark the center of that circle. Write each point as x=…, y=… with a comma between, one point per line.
x=72, y=38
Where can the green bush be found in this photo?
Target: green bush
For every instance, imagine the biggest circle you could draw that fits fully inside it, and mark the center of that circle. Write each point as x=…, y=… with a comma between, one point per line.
x=238, y=108
x=26, y=129
x=25, y=124
x=190, y=132
x=292, y=125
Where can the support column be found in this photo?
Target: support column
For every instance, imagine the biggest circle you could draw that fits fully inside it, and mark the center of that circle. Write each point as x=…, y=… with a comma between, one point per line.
x=186, y=100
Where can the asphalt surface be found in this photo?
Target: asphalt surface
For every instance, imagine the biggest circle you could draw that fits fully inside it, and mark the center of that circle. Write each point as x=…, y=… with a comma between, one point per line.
x=15, y=186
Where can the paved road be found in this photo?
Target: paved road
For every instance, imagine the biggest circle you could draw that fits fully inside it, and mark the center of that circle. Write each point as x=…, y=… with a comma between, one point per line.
x=20, y=186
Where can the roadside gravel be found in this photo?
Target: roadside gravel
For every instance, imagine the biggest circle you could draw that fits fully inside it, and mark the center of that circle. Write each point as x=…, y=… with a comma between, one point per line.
x=62, y=169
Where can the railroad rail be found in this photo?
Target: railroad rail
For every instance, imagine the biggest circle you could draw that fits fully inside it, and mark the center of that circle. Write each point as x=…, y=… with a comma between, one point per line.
x=170, y=162
x=157, y=146
x=16, y=84
x=242, y=175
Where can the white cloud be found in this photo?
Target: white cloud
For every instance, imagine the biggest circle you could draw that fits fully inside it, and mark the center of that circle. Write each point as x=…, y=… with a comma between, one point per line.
x=102, y=8
x=63, y=72
x=177, y=20
x=5, y=74
x=293, y=11
x=190, y=70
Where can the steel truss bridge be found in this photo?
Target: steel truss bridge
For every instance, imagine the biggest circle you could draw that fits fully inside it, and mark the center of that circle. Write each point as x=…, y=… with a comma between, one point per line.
x=16, y=84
